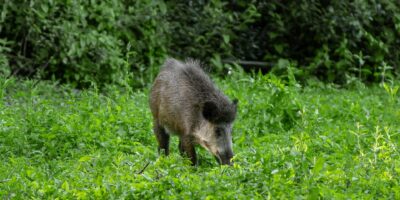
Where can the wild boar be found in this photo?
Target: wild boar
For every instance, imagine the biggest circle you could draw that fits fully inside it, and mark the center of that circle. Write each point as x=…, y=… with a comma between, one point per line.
x=185, y=102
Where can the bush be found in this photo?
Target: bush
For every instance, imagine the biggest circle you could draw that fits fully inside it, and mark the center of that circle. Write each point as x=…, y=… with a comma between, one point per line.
x=115, y=41
x=204, y=28
x=83, y=42
x=4, y=65
x=328, y=39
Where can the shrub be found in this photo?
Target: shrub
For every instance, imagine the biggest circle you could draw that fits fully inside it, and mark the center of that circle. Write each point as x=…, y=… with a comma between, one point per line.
x=328, y=39
x=83, y=42
x=115, y=41
x=4, y=65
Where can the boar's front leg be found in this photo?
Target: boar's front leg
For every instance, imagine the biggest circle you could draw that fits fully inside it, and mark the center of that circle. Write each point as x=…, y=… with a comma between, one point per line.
x=162, y=138
x=186, y=147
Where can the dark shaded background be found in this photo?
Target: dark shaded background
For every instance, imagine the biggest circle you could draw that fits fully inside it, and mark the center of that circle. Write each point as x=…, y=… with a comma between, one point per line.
x=112, y=41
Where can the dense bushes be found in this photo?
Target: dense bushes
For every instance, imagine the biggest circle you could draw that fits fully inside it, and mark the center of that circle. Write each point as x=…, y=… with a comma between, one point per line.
x=109, y=41
x=332, y=39
x=86, y=42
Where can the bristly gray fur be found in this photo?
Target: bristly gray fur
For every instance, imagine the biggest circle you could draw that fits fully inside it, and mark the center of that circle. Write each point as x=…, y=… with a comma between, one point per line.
x=202, y=88
x=184, y=101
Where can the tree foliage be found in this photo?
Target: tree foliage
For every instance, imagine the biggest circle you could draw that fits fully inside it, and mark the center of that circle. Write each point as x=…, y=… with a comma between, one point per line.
x=111, y=41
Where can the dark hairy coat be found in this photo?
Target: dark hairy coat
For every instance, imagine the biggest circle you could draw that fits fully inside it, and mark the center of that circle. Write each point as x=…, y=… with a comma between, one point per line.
x=183, y=99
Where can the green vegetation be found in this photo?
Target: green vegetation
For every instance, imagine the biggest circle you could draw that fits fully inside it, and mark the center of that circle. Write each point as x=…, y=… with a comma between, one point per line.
x=106, y=41
x=319, y=118
x=290, y=141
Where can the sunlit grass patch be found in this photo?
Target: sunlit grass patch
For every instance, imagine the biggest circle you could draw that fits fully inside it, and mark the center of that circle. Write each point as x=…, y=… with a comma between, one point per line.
x=289, y=141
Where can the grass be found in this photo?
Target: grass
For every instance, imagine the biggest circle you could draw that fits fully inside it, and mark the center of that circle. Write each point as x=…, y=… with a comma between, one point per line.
x=318, y=141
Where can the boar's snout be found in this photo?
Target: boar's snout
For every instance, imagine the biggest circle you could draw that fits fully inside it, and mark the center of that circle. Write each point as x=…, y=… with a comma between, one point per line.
x=224, y=158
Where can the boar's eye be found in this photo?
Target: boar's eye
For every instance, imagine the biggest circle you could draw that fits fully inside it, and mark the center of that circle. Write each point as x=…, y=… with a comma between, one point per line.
x=219, y=132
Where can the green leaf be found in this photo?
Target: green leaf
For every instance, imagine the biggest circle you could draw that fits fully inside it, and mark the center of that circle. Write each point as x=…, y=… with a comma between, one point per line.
x=226, y=38
x=318, y=165
x=85, y=158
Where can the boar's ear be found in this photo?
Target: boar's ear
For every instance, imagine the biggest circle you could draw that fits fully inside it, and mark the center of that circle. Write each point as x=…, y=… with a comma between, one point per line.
x=210, y=111
x=235, y=102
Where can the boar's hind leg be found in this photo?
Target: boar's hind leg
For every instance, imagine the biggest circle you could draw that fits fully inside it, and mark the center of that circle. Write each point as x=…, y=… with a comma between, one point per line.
x=162, y=138
x=186, y=147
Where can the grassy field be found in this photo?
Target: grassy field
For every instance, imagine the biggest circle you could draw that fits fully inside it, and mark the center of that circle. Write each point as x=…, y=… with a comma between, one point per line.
x=290, y=141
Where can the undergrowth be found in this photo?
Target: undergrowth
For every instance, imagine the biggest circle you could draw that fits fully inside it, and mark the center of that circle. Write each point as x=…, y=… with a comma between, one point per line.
x=315, y=141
